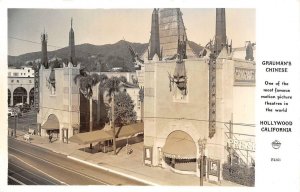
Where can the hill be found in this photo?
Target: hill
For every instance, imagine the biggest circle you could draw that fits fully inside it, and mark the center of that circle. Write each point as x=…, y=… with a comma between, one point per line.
x=110, y=55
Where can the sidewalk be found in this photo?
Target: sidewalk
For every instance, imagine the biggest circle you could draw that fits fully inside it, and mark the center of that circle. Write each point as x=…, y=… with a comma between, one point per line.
x=127, y=165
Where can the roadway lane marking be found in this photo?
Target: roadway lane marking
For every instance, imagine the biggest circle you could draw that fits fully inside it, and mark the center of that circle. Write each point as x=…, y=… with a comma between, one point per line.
x=23, y=177
x=38, y=169
x=67, y=169
x=115, y=172
x=16, y=180
x=32, y=173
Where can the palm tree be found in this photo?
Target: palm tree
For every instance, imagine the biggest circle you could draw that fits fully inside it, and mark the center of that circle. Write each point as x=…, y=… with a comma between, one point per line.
x=113, y=86
x=141, y=97
x=86, y=82
x=102, y=79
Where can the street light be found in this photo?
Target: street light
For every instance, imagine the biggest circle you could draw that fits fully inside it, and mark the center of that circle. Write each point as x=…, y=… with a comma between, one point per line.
x=202, y=145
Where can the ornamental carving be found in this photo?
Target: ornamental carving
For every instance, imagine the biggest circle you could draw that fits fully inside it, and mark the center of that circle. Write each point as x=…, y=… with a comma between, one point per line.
x=212, y=95
x=244, y=75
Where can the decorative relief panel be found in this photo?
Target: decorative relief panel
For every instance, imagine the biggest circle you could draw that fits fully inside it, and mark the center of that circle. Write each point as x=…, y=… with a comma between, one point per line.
x=243, y=75
x=212, y=95
x=36, y=90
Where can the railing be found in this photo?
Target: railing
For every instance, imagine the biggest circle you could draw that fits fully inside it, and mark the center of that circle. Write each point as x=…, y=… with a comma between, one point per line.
x=242, y=155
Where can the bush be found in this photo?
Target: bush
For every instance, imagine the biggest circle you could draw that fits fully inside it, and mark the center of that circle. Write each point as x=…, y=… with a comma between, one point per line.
x=124, y=109
x=239, y=174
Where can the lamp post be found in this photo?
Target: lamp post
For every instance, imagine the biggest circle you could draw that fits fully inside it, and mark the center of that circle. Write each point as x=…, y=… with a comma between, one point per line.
x=202, y=145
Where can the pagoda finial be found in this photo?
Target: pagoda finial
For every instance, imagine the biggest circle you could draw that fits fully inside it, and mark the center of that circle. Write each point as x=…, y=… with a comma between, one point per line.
x=71, y=22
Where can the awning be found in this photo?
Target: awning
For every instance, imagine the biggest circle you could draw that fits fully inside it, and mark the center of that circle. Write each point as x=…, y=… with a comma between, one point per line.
x=52, y=123
x=180, y=145
x=102, y=135
x=90, y=137
x=128, y=130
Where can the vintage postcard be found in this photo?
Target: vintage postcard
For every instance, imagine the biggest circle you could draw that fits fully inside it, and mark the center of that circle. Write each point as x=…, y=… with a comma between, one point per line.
x=195, y=97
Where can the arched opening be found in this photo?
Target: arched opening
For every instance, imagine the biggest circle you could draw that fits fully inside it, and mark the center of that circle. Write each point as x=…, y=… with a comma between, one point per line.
x=19, y=95
x=51, y=126
x=31, y=96
x=9, y=97
x=179, y=152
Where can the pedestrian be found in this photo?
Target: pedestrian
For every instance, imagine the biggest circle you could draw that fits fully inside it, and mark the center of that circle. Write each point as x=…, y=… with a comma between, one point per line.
x=50, y=137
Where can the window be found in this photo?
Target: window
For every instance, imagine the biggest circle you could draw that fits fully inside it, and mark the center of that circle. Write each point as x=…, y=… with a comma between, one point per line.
x=17, y=81
x=30, y=81
x=12, y=81
x=16, y=74
x=28, y=70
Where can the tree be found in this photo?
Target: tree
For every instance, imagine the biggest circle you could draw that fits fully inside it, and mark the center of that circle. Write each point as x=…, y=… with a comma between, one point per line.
x=113, y=86
x=141, y=97
x=86, y=82
x=124, y=109
x=101, y=89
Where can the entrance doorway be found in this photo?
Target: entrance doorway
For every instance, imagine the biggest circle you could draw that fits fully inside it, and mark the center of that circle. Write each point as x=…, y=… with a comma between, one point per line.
x=179, y=152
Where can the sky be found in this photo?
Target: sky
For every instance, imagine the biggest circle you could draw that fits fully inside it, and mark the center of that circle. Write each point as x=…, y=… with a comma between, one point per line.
x=108, y=26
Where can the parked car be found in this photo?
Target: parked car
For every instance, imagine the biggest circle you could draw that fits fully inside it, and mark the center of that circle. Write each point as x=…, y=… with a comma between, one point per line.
x=11, y=112
x=24, y=107
x=14, y=111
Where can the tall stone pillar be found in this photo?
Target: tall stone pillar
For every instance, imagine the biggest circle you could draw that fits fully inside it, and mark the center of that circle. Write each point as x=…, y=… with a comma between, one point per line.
x=220, y=37
x=72, y=45
x=27, y=100
x=11, y=99
x=44, y=39
x=154, y=38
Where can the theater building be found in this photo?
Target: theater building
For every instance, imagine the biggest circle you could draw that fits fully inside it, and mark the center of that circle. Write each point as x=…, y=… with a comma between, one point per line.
x=191, y=99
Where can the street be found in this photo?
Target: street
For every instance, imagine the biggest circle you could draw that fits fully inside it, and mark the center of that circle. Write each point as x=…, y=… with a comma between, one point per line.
x=20, y=173
x=32, y=165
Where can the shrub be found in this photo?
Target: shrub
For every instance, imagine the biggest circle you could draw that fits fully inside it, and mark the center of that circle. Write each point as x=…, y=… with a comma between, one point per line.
x=239, y=174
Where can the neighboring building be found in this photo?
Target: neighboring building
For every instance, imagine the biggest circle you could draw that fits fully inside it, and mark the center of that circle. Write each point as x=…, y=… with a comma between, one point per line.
x=132, y=88
x=140, y=74
x=130, y=76
x=188, y=99
x=20, y=85
x=241, y=52
x=22, y=72
x=133, y=92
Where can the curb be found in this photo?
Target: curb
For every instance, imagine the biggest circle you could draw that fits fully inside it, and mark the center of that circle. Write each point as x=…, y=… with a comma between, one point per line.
x=113, y=171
